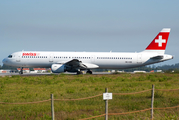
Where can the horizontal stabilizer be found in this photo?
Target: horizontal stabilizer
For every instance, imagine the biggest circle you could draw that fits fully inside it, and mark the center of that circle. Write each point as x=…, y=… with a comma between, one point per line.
x=157, y=57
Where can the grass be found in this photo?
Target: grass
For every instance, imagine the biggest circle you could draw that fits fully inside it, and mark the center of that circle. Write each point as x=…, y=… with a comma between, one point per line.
x=20, y=89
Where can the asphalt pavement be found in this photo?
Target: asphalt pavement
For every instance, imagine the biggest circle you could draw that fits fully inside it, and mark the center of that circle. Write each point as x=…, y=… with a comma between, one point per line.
x=39, y=74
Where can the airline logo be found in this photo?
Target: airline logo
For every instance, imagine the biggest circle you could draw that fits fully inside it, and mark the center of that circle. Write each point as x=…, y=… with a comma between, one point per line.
x=30, y=54
x=160, y=41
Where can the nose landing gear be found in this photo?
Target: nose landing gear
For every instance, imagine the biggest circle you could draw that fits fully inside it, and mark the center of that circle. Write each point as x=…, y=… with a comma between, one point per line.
x=21, y=71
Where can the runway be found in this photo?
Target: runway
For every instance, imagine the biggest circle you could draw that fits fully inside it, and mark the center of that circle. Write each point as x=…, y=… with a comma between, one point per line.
x=40, y=74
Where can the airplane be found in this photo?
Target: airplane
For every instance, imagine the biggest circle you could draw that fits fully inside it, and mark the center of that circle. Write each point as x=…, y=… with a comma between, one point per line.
x=60, y=62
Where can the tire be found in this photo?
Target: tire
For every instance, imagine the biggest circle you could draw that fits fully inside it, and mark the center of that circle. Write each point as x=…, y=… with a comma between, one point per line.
x=20, y=73
x=79, y=73
x=89, y=72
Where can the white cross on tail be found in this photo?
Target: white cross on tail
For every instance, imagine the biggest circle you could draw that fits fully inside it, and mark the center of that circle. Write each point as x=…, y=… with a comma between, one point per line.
x=160, y=41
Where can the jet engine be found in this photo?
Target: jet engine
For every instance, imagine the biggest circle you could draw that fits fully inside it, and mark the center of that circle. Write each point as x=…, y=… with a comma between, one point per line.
x=58, y=68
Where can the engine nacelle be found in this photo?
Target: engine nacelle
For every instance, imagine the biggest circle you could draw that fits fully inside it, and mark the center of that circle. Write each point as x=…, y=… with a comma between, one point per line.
x=58, y=68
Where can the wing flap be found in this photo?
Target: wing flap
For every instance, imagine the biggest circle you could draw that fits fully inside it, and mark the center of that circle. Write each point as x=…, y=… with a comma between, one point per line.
x=89, y=65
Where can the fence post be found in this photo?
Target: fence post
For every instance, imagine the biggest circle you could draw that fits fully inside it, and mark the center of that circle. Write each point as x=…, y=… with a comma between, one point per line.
x=52, y=108
x=152, y=102
x=106, y=106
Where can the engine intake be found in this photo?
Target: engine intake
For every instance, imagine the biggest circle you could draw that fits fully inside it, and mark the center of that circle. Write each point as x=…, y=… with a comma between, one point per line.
x=58, y=68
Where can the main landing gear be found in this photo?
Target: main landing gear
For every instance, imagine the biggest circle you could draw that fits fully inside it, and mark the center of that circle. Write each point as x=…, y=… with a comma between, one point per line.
x=21, y=71
x=79, y=73
x=89, y=72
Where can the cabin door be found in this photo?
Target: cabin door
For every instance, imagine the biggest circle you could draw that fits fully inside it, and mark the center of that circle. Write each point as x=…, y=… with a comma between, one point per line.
x=139, y=58
x=51, y=58
x=18, y=57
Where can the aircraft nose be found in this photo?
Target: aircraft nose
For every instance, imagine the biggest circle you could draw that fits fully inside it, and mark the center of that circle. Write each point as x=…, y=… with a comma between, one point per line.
x=4, y=61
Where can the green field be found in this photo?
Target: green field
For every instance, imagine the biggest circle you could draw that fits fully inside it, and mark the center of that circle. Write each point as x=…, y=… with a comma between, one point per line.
x=22, y=89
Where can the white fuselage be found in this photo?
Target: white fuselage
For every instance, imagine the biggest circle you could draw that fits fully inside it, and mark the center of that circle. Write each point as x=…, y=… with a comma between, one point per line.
x=77, y=61
x=102, y=60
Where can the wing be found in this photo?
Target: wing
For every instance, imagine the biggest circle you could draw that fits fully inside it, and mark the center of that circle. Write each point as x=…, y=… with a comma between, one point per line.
x=75, y=65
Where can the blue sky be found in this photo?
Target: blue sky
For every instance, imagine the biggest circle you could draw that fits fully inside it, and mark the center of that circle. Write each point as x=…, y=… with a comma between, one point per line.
x=94, y=25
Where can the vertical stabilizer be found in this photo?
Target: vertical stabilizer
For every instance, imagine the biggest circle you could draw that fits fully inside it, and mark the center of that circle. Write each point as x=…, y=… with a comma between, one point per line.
x=159, y=43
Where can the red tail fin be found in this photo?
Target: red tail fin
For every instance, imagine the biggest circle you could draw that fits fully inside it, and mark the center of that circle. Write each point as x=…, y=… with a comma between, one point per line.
x=160, y=41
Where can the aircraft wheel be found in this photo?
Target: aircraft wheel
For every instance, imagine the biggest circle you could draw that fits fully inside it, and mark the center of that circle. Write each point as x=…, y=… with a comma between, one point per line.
x=79, y=73
x=21, y=71
x=89, y=72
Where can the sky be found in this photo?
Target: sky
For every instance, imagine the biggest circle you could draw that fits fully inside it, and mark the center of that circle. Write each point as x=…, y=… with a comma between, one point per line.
x=87, y=25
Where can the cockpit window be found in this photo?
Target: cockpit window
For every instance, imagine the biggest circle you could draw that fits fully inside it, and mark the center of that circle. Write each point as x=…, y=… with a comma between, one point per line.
x=10, y=56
